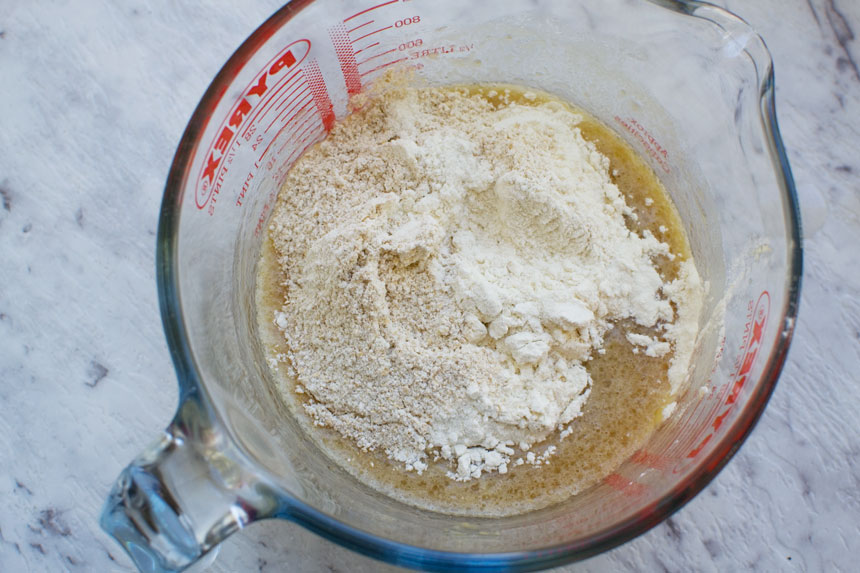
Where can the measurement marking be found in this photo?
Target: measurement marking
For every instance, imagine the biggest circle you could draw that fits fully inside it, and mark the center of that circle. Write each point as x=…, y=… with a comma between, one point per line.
x=302, y=129
x=366, y=48
x=360, y=26
x=289, y=108
x=286, y=98
x=293, y=139
x=382, y=66
x=287, y=142
x=346, y=58
x=296, y=135
x=305, y=137
x=295, y=125
x=267, y=102
x=300, y=97
x=624, y=485
x=214, y=170
x=370, y=34
x=274, y=139
x=357, y=14
x=275, y=91
x=299, y=112
x=376, y=56
x=301, y=88
x=281, y=131
x=651, y=460
x=320, y=93
x=306, y=141
x=303, y=145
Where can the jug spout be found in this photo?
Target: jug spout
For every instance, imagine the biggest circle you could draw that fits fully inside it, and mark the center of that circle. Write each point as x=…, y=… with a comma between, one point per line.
x=183, y=495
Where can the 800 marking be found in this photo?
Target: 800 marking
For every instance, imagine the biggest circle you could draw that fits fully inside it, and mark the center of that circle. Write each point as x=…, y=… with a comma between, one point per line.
x=410, y=44
x=407, y=21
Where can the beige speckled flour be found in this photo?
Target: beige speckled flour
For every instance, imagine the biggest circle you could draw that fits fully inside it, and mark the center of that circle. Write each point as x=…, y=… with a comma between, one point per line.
x=451, y=266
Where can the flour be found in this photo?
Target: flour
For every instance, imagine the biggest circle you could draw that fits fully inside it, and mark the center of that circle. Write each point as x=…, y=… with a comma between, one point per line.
x=450, y=269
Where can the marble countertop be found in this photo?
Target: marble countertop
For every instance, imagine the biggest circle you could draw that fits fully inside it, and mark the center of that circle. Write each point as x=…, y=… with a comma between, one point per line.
x=94, y=96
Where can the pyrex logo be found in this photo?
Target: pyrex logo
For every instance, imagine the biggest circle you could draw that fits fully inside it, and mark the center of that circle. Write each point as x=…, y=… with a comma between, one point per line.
x=218, y=155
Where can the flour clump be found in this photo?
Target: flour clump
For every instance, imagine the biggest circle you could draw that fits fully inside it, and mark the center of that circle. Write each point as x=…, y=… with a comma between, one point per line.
x=451, y=266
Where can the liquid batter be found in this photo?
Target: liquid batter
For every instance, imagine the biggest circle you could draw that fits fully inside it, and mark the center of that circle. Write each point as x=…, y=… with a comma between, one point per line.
x=629, y=388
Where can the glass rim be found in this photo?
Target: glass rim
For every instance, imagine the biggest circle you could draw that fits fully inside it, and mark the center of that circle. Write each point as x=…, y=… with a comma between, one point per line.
x=191, y=386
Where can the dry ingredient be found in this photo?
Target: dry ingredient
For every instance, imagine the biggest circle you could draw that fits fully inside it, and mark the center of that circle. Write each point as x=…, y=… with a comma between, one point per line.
x=451, y=266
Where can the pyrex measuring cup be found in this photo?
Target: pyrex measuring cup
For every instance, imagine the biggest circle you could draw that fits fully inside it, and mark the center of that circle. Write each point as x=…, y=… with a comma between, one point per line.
x=690, y=86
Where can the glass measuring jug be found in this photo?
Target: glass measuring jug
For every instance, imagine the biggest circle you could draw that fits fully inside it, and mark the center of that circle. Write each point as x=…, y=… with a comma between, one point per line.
x=690, y=86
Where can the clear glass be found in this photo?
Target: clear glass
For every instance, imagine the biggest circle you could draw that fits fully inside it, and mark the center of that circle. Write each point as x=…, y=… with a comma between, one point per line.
x=689, y=85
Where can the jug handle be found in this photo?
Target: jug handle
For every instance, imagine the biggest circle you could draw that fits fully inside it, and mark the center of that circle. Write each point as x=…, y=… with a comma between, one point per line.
x=184, y=494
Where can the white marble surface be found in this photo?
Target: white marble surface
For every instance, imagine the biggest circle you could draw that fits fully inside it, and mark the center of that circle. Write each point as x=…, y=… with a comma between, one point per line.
x=94, y=95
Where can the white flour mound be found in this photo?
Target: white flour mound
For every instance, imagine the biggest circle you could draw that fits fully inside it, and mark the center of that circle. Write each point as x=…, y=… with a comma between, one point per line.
x=450, y=267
